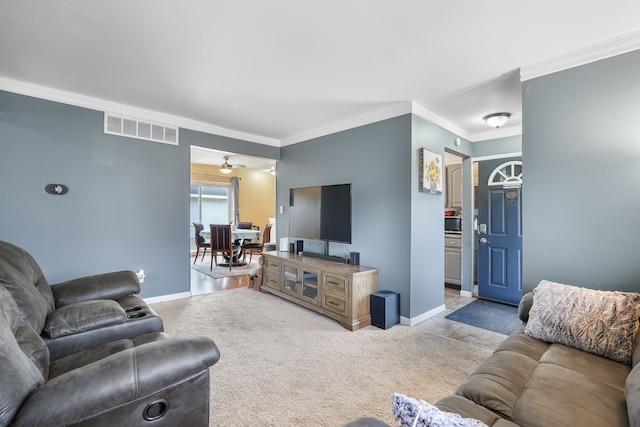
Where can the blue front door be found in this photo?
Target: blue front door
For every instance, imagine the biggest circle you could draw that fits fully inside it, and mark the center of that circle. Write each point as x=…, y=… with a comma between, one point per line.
x=499, y=234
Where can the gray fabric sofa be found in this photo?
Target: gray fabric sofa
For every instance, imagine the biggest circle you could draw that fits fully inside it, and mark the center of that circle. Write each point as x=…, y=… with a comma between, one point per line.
x=532, y=383
x=528, y=382
x=89, y=353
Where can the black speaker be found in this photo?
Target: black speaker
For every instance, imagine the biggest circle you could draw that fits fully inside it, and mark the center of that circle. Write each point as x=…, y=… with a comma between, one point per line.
x=292, y=248
x=299, y=246
x=354, y=258
x=385, y=309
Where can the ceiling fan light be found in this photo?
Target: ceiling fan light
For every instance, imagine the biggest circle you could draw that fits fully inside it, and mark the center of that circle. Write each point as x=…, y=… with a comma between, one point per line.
x=497, y=120
x=225, y=167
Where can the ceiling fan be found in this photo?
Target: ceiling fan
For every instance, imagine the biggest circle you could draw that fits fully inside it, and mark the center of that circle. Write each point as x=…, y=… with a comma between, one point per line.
x=227, y=167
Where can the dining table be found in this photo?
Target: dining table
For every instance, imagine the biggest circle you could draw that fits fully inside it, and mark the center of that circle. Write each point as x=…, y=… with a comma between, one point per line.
x=239, y=235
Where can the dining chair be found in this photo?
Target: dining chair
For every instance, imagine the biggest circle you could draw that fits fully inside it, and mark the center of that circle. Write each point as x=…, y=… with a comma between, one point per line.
x=243, y=226
x=256, y=248
x=199, y=240
x=221, y=242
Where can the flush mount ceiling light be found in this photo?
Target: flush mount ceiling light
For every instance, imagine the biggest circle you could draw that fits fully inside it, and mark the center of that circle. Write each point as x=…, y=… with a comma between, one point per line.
x=497, y=119
x=225, y=167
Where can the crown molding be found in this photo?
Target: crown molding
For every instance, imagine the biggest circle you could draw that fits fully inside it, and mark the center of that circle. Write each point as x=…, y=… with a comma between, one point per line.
x=375, y=116
x=422, y=112
x=617, y=46
x=395, y=110
x=497, y=133
x=91, y=103
x=497, y=156
x=398, y=110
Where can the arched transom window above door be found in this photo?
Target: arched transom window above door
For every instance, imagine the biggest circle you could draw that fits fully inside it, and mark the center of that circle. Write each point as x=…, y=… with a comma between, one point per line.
x=508, y=174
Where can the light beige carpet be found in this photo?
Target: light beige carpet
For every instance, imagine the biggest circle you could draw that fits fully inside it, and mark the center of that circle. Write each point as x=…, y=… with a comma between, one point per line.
x=283, y=365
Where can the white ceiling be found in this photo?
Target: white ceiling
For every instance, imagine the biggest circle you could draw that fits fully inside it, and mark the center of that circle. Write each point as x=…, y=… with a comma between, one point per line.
x=281, y=71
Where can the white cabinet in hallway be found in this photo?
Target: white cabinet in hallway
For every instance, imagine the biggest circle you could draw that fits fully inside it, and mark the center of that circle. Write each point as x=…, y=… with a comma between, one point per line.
x=453, y=259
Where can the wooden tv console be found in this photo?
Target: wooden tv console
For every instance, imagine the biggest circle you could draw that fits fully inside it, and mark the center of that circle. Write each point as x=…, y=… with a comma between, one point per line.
x=336, y=290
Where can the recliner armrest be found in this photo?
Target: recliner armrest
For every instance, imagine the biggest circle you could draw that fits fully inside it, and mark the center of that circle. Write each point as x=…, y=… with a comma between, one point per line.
x=120, y=378
x=113, y=285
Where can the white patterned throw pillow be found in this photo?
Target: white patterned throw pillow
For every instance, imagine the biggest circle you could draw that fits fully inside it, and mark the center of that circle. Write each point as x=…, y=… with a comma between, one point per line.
x=418, y=413
x=600, y=322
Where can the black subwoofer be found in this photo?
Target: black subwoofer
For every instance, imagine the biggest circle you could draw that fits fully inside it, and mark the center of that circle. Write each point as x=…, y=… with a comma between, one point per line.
x=385, y=309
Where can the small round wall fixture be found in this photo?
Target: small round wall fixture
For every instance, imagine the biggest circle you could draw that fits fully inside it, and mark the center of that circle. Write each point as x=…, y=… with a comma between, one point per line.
x=56, y=189
x=456, y=141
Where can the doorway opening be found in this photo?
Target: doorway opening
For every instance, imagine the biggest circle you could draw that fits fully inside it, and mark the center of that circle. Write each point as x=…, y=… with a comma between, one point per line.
x=208, y=204
x=498, y=233
x=211, y=196
x=453, y=221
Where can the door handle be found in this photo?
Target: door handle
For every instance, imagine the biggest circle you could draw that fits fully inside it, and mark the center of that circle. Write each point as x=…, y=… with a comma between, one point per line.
x=483, y=240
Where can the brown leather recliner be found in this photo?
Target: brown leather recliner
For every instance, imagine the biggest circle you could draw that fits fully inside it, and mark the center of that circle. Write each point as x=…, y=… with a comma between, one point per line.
x=89, y=353
x=78, y=314
x=154, y=379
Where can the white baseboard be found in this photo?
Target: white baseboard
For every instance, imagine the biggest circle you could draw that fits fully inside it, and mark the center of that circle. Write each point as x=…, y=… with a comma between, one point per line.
x=424, y=316
x=170, y=297
x=466, y=294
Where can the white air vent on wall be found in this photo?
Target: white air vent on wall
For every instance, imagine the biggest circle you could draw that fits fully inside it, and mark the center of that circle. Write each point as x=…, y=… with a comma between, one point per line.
x=124, y=126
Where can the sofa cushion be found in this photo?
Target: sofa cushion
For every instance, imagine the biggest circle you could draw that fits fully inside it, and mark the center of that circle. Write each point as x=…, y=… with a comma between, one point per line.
x=83, y=316
x=608, y=372
x=33, y=346
x=30, y=303
x=557, y=396
x=18, y=375
x=499, y=381
x=600, y=322
x=94, y=354
x=19, y=267
x=469, y=409
x=519, y=342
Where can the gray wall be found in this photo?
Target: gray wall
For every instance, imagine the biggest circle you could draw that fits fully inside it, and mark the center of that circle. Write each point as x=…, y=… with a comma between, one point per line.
x=128, y=200
x=128, y=205
x=376, y=160
x=581, y=159
x=500, y=147
x=395, y=227
x=427, y=223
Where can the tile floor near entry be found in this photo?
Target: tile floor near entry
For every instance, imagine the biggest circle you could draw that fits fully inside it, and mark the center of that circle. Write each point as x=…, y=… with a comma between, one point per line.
x=438, y=325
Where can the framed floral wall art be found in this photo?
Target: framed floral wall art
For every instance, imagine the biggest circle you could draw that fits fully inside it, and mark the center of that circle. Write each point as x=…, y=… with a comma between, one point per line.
x=430, y=172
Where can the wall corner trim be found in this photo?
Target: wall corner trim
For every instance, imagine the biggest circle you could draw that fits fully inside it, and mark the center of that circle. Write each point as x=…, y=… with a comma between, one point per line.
x=411, y=321
x=170, y=297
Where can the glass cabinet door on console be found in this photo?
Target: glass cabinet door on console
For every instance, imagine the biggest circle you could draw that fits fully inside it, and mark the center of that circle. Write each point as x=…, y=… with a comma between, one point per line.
x=310, y=286
x=300, y=282
x=290, y=280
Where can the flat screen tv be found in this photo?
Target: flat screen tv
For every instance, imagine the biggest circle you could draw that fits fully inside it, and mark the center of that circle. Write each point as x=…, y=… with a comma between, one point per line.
x=321, y=213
